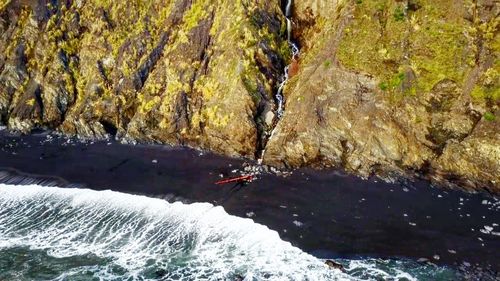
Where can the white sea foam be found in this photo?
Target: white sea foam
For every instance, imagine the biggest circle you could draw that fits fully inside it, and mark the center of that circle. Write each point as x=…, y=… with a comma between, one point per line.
x=377, y=269
x=136, y=236
x=195, y=241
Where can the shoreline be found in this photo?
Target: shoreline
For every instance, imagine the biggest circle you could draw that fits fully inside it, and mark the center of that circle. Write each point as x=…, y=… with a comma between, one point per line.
x=425, y=176
x=325, y=213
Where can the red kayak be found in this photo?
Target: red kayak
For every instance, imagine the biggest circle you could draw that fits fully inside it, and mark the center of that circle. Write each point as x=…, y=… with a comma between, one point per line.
x=237, y=179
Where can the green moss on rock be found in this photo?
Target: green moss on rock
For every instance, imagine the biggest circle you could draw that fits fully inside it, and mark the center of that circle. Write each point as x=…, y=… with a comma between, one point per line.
x=385, y=37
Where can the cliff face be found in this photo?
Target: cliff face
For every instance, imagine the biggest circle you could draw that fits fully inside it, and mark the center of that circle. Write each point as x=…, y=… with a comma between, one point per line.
x=380, y=86
x=194, y=72
x=391, y=86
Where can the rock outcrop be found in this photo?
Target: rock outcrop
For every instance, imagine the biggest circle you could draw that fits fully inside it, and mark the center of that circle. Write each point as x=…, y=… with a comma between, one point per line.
x=191, y=72
x=385, y=87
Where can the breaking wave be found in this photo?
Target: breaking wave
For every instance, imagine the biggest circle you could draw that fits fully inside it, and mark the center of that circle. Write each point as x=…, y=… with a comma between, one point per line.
x=80, y=234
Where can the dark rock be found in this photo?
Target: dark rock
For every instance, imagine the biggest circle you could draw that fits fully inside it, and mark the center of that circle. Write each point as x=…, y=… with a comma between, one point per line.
x=334, y=265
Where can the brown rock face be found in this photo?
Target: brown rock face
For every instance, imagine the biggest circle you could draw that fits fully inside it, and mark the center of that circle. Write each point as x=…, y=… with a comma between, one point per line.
x=387, y=87
x=380, y=87
x=192, y=72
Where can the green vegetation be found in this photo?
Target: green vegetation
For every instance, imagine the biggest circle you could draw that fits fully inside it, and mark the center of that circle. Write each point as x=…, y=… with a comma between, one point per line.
x=4, y=4
x=488, y=116
x=488, y=87
x=399, y=14
x=394, y=86
x=197, y=12
x=30, y=102
x=441, y=46
x=394, y=83
x=385, y=37
x=372, y=42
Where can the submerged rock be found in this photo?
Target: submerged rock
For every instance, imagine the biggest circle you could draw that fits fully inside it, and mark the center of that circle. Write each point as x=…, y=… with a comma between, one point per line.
x=334, y=265
x=380, y=87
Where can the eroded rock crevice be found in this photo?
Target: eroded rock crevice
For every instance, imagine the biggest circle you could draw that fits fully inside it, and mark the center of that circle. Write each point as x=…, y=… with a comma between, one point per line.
x=267, y=119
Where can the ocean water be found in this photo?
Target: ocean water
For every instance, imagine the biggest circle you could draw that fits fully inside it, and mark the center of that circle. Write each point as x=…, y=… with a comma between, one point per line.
x=51, y=233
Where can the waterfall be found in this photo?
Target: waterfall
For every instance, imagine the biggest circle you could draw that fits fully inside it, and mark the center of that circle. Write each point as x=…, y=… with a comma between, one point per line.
x=295, y=54
x=288, y=9
x=284, y=79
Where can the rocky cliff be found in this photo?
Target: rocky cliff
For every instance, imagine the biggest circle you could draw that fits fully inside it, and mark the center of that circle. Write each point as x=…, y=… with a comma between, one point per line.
x=198, y=73
x=387, y=87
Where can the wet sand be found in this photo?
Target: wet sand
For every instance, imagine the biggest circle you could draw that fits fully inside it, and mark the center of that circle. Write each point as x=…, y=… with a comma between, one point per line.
x=325, y=213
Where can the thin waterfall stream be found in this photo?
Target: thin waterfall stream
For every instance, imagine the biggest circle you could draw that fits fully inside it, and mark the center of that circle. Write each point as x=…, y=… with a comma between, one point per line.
x=284, y=78
x=295, y=53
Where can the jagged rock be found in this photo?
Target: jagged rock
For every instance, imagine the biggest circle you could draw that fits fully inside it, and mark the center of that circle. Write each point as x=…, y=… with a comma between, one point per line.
x=197, y=73
x=476, y=159
x=269, y=118
x=384, y=88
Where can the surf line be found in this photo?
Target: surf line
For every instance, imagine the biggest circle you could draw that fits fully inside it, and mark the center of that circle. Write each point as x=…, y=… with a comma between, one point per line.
x=285, y=77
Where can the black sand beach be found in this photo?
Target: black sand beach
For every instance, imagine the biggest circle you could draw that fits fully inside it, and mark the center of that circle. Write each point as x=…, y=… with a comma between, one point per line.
x=325, y=213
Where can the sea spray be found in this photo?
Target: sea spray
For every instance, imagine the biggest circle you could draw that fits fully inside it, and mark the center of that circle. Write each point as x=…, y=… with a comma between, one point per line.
x=81, y=234
x=140, y=235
